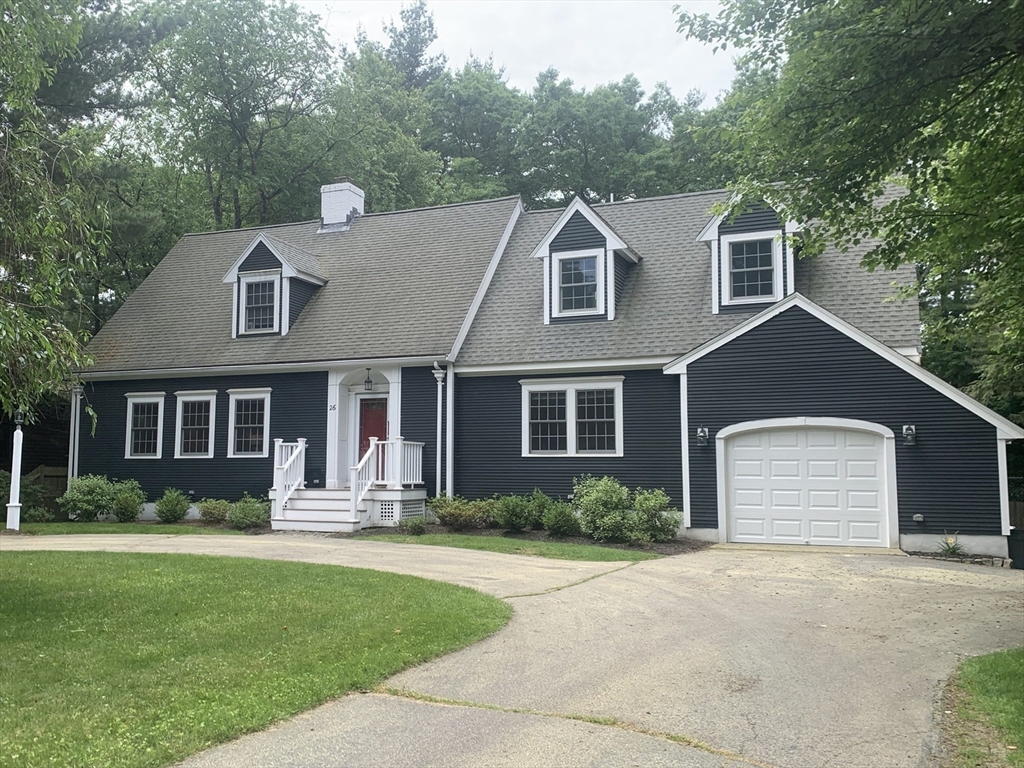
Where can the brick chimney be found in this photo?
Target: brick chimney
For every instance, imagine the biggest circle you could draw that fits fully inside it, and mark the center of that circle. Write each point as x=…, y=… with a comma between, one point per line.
x=340, y=203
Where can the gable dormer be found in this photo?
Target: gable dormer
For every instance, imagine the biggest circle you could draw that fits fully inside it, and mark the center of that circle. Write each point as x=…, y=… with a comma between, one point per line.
x=272, y=282
x=751, y=260
x=585, y=263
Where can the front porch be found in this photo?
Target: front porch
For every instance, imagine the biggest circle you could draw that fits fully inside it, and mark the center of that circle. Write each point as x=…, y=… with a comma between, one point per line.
x=384, y=488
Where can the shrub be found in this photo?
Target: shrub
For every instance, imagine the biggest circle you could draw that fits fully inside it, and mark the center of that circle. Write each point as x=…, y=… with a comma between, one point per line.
x=560, y=520
x=36, y=515
x=540, y=503
x=31, y=495
x=214, y=511
x=172, y=506
x=458, y=514
x=88, y=497
x=248, y=512
x=603, y=506
x=513, y=512
x=414, y=526
x=127, y=501
x=438, y=504
x=655, y=521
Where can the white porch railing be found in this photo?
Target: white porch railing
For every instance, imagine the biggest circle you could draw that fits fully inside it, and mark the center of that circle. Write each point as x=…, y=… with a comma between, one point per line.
x=393, y=463
x=289, y=472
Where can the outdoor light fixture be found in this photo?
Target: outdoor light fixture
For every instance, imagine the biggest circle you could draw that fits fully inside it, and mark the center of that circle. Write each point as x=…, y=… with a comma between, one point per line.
x=368, y=383
x=909, y=434
x=19, y=417
x=702, y=435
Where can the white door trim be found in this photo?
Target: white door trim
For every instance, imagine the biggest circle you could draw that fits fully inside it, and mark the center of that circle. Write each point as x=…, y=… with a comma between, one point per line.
x=888, y=439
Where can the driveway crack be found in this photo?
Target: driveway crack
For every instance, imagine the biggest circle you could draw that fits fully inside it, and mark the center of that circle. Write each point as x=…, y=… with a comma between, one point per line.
x=571, y=584
x=608, y=722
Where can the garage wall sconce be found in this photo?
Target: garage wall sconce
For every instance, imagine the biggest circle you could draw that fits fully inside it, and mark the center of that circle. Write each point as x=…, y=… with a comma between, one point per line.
x=909, y=434
x=702, y=435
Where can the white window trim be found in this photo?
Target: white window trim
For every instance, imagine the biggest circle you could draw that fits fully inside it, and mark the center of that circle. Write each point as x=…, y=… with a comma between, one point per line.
x=145, y=397
x=263, y=276
x=725, y=269
x=570, y=387
x=601, y=264
x=249, y=394
x=207, y=395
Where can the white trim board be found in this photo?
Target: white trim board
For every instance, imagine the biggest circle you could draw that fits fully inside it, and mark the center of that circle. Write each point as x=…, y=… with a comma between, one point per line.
x=614, y=242
x=566, y=366
x=286, y=268
x=1005, y=429
x=249, y=368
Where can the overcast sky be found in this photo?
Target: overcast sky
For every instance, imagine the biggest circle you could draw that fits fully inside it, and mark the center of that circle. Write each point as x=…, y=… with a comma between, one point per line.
x=589, y=41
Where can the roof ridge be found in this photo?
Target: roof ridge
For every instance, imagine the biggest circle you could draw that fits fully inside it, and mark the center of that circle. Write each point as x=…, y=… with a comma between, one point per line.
x=440, y=207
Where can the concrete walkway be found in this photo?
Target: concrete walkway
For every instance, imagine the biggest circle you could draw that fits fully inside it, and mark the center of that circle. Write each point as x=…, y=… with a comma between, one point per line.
x=725, y=657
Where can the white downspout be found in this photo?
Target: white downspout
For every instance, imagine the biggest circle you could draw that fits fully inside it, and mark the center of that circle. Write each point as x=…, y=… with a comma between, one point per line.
x=450, y=435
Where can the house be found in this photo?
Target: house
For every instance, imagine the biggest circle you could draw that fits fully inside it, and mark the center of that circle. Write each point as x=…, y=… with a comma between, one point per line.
x=361, y=363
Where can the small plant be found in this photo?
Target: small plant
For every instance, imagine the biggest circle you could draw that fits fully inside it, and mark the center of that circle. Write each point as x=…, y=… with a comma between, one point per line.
x=88, y=497
x=36, y=515
x=172, y=506
x=560, y=520
x=950, y=546
x=413, y=526
x=513, y=513
x=540, y=503
x=214, y=511
x=128, y=498
x=248, y=513
x=458, y=514
x=655, y=521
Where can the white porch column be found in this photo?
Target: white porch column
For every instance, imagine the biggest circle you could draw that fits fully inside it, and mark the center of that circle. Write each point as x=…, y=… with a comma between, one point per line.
x=439, y=376
x=14, y=504
x=449, y=480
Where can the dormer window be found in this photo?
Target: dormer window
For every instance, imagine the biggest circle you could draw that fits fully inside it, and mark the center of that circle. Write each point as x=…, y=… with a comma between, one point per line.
x=580, y=281
x=752, y=268
x=259, y=308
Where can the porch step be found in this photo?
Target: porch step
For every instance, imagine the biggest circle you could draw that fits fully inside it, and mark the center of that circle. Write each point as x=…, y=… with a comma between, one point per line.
x=342, y=494
x=319, y=513
x=333, y=526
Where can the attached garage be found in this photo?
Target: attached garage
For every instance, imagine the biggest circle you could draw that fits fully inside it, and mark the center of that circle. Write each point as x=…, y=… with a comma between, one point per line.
x=806, y=481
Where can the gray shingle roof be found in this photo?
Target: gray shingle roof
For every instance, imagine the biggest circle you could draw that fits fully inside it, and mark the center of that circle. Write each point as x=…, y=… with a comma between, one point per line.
x=299, y=259
x=665, y=307
x=400, y=284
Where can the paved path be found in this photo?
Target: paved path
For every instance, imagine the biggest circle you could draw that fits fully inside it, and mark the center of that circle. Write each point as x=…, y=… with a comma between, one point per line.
x=793, y=659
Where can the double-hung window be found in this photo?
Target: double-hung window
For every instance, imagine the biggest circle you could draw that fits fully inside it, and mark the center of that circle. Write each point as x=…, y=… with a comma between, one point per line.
x=572, y=417
x=259, y=304
x=752, y=268
x=578, y=281
x=144, y=429
x=195, y=423
x=248, y=423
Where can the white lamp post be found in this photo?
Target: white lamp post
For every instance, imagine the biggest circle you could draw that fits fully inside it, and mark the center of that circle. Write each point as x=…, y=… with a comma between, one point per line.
x=14, y=506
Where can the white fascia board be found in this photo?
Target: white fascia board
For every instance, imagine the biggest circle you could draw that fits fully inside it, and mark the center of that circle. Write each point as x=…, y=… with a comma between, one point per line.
x=1005, y=428
x=250, y=368
x=485, y=282
x=565, y=366
x=287, y=270
x=614, y=242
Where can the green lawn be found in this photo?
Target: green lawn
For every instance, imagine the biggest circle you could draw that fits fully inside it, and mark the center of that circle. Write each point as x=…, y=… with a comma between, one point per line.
x=557, y=550
x=994, y=688
x=139, y=660
x=53, y=529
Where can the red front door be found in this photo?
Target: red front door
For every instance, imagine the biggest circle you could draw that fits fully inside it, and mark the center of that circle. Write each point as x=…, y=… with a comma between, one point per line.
x=373, y=421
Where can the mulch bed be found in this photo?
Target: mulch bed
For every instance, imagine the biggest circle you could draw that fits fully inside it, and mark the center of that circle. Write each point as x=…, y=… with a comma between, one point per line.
x=674, y=547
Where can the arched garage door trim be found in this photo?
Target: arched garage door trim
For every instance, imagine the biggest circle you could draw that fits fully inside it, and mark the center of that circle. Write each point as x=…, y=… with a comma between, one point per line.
x=889, y=451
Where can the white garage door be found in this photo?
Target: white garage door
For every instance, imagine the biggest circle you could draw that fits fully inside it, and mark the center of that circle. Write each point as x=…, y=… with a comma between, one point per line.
x=806, y=485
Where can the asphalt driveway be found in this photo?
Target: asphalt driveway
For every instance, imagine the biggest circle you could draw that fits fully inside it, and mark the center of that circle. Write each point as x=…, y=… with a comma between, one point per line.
x=719, y=658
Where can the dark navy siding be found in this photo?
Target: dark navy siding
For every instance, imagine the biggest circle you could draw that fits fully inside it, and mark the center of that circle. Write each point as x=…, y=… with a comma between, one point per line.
x=419, y=419
x=753, y=219
x=796, y=365
x=577, y=235
x=260, y=258
x=300, y=292
x=622, y=266
x=298, y=408
x=488, y=440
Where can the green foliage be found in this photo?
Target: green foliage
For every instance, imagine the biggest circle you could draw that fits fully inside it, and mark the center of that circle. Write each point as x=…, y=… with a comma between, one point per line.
x=513, y=513
x=413, y=526
x=561, y=520
x=993, y=687
x=927, y=95
x=950, y=546
x=127, y=501
x=459, y=514
x=87, y=497
x=31, y=495
x=214, y=511
x=513, y=545
x=247, y=513
x=172, y=506
x=608, y=512
x=539, y=503
x=36, y=515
